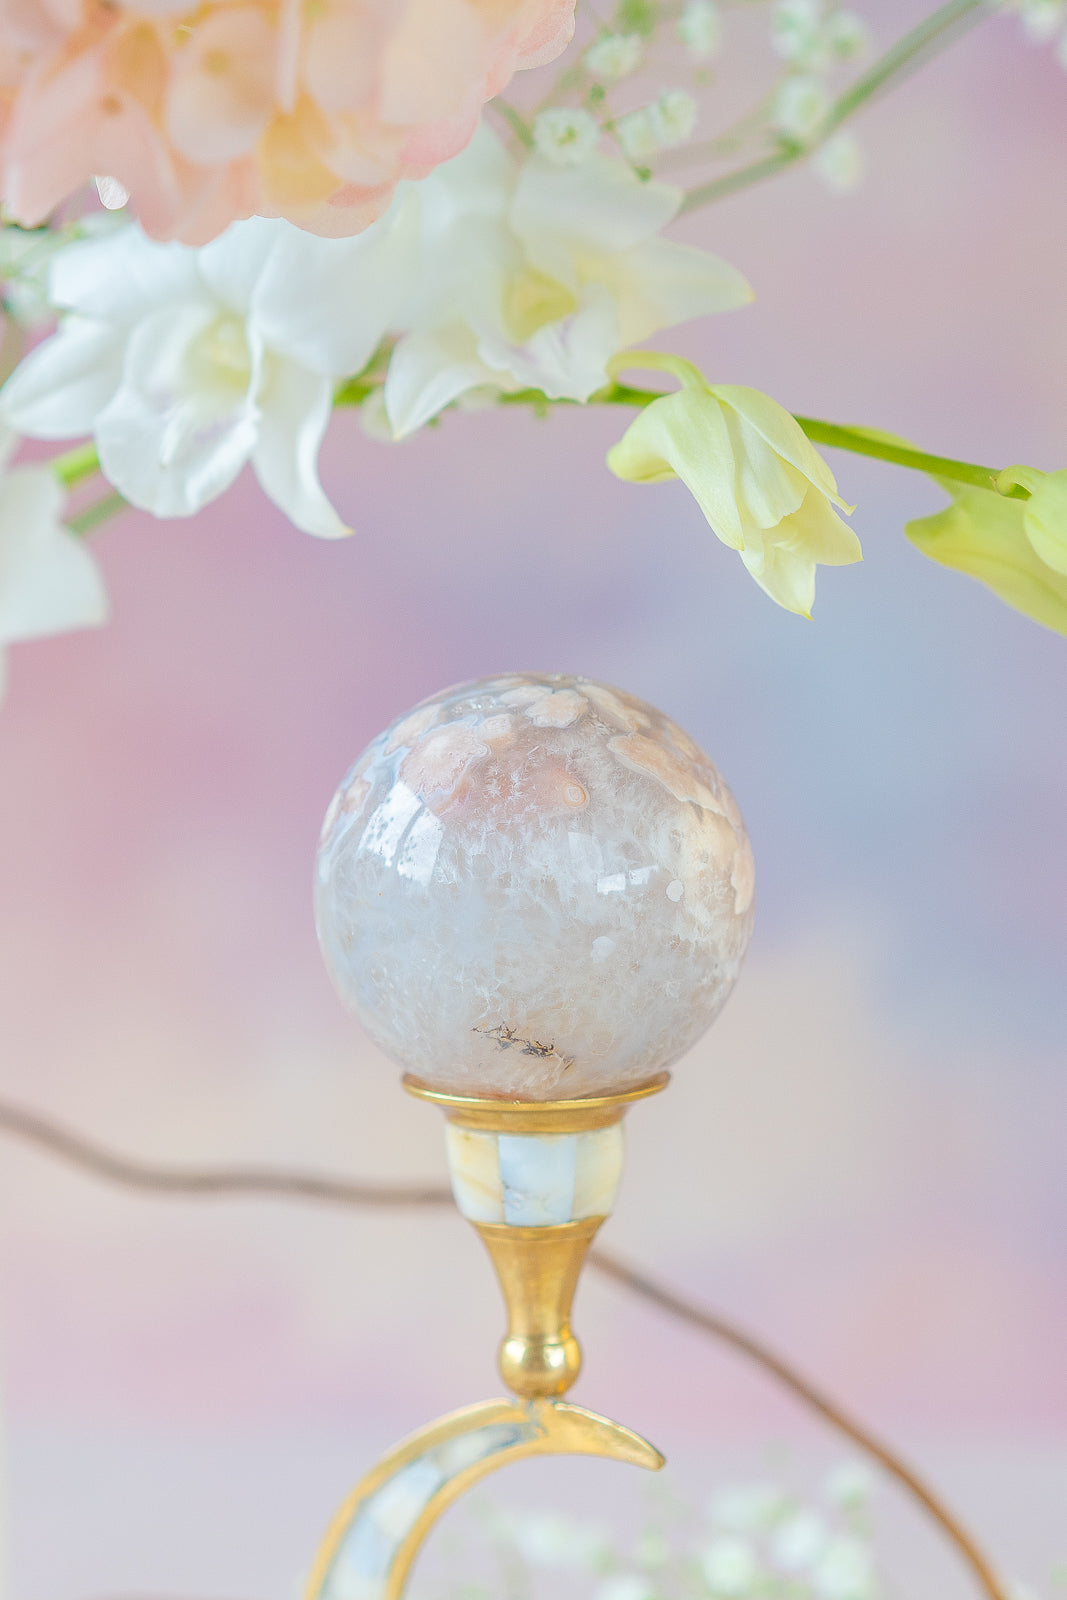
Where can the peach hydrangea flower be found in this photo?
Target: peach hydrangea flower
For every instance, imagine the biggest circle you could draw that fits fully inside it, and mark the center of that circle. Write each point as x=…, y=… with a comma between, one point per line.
x=207, y=113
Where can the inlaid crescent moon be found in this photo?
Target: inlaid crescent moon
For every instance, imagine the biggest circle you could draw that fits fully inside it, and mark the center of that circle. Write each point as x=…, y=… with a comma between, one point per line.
x=376, y=1534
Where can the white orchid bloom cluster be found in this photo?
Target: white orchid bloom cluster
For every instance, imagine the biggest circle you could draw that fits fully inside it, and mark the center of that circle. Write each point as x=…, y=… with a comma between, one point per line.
x=535, y=275
x=184, y=364
x=49, y=583
x=531, y=268
x=763, y=487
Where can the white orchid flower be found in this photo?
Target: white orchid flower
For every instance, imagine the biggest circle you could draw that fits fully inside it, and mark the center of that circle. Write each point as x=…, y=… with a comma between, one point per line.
x=185, y=364
x=763, y=487
x=534, y=276
x=49, y=583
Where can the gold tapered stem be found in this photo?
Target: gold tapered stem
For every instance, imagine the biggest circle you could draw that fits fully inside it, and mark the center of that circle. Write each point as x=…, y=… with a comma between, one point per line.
x=538, y=1270
x=538, y=1267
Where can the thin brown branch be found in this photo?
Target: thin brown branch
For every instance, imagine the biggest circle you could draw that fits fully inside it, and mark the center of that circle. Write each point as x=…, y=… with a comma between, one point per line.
x=208, y=1182
x=284, y=1184
x=728, y=1332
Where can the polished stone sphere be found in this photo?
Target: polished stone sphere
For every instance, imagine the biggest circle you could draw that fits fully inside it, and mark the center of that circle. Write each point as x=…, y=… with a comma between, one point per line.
x=534, y=887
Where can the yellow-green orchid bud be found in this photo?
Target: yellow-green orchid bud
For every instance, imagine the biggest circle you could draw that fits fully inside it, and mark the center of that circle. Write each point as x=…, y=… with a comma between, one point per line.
x=986, y=535
x=762, y=485
x=1045, y=513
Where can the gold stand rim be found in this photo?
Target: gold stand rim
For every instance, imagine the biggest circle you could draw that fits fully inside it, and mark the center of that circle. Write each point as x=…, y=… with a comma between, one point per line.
x=534, y=1116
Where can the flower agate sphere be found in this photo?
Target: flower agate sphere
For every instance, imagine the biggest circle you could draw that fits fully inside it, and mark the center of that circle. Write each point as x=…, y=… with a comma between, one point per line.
x=534, y=887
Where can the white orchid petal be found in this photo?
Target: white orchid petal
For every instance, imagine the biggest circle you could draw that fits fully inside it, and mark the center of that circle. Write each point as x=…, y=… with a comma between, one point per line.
x=685, y=435
x=232, y=265
x=767, y=486
x=120, y=276
x=464, y=273
x=296, y=408
x=783, y=434
x=566, y=360
x=537, y=275
x=170, y=464
x=788, y=576
x=49, y=582
x=817, y=529
x=601, y=207
x=59, y=389
x=662, y=283
x=780, y=522
x=430, y=370
x=168, y=445
x=477, y=182
x=351, y=291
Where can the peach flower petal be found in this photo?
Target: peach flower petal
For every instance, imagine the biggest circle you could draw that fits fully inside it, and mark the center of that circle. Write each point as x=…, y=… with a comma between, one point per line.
x=221, y=94
x=209, y=113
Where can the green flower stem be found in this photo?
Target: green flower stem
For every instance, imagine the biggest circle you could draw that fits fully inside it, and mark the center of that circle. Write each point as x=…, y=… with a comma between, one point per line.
x=99, y=511
x=688, y=375
x=833, y=434
x=865, y=444
x=75, y=465
x=353, y=391
x=940, y=29
x=515, y=121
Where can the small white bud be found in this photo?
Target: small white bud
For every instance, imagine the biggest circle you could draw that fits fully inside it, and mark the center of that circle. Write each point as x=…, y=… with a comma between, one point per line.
x=748, y=1508
x=625, y=1586
x=550, y=1539
x=1041, y=19
x=666, y=122
x=638, y=133
x=849, y=1485
x=676, y=113
x=700, y=28
x=800, y=106
x=730, y=1567
x=614, y=55
x=797, y=32
x=839, y=162
x=845, y=1571
x=564, y=136
x=846, y=34
x=799, y=1541
x=653, y=1548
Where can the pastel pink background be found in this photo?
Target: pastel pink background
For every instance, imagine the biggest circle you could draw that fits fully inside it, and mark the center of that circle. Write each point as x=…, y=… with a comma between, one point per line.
x=865, y=1161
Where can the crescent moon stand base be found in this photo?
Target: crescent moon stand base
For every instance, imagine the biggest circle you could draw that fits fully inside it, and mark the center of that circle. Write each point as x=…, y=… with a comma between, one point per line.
x=536, y=1178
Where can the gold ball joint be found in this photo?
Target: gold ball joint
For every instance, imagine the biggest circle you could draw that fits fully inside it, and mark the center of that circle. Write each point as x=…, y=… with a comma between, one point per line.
x=538, y=1270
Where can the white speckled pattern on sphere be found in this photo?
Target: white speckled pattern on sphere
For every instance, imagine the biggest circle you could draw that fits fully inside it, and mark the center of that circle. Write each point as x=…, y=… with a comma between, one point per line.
x=535, y=887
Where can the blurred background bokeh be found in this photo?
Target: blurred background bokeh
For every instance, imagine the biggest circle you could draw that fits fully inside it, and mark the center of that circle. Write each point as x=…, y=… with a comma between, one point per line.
x=865, y=1161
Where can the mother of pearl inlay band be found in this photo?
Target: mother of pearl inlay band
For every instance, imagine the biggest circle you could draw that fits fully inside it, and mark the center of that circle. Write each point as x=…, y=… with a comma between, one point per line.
x=534, y=1180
